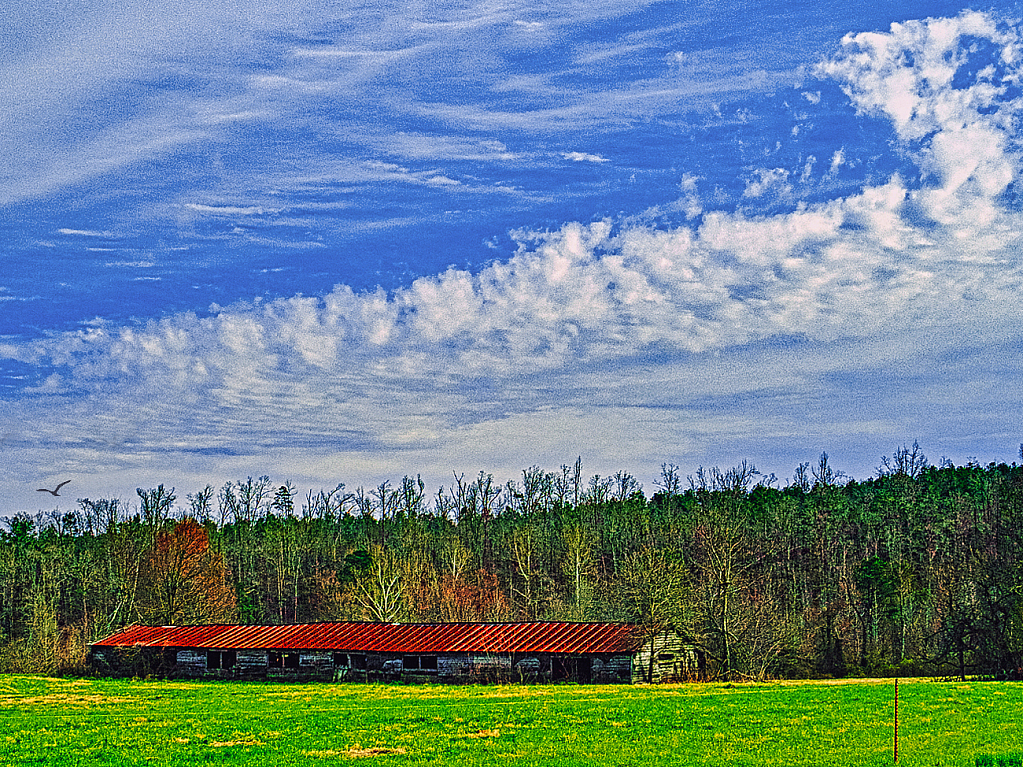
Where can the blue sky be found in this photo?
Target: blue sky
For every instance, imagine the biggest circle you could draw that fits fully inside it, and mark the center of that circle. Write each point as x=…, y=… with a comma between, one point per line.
x=344, y=243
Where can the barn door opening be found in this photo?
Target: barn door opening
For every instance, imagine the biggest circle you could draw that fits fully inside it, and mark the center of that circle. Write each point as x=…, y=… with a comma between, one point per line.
x=559, y=668
x=568, y=669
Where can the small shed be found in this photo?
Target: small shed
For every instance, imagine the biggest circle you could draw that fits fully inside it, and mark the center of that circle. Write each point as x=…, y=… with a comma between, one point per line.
x=548, y=651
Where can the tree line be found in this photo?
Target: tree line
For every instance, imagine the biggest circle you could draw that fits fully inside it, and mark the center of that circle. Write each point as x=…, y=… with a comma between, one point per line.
x=916, y=570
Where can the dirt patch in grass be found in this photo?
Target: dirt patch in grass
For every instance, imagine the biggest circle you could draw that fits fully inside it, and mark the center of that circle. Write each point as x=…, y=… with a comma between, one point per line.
x=355, y=752
x=362, y=753
x=62, y=700
x=483, y=734
x=227, y=743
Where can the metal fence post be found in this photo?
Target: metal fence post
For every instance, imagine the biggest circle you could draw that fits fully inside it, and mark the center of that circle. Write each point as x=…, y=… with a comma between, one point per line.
x=896, y=720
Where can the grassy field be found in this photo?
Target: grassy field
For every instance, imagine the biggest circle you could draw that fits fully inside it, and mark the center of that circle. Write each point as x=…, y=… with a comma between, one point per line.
x=68, y=722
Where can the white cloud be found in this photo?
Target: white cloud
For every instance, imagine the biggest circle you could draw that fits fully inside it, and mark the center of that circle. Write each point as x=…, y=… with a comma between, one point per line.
x=440, y=180
x=837, y=161
x=919, y=93
x=231, y=210
x=421, y=146
x=584, y=157
x=85, y=233
x=583, y=294
x=773, y=183
x=898, y=264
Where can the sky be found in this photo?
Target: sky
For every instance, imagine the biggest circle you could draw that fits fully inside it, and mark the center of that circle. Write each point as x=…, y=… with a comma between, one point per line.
x=350, y=242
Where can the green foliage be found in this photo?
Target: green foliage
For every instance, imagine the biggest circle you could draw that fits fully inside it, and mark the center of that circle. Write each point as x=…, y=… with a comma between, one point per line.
x=920, y=568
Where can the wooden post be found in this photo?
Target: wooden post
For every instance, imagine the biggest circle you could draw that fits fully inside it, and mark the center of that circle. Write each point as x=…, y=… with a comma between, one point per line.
x=896, y=720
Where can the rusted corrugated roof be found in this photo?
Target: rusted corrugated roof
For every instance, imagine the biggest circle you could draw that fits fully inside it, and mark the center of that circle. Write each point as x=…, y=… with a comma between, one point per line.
x=550, y=637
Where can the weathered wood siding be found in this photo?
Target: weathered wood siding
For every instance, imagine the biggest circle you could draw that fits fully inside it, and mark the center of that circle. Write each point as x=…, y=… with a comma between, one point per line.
x=615, y=669
x=191, y=663
x=251, y=664
x=666, y=658
x=312, y=665
x=468, y=668
x=453, y=667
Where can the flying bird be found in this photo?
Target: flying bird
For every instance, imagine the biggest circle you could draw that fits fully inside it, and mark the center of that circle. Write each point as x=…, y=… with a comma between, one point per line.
x=54, y=491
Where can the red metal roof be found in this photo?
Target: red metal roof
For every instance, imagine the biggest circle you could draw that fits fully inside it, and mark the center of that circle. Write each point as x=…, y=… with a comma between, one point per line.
x=552, y=637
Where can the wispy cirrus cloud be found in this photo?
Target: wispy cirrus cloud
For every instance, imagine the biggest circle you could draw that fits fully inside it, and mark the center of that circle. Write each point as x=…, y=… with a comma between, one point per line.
x=584, y=157
x=104, y=64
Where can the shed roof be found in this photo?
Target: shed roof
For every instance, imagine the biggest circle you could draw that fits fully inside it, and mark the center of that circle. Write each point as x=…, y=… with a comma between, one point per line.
x=552, y=637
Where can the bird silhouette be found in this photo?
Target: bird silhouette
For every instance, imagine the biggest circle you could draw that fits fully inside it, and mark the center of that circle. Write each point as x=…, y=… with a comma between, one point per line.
x=54, y=491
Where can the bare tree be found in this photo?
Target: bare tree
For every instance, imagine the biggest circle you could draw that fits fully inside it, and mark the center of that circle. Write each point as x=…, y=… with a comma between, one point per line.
x=464, y=497
x=577, y=481
x=537, y=490
x=444, y=504
x=200, y=505
x=802, y=477
x=252, y=495
x=670, y=481
x=363, y=502
x=526, y=556
x=243, y=501
x=625, y=486
x=411, y=496
x=727, y=562
x=825, y=476
x=386, y=505
x=380, y=591
x=906, y=462
x=155, y=505
x=329, y=505
x=652, y=587
x=101, y=516
x=599, y=489
x=735, y=481
x=227, y=504
x=487, y=495
x=579, y=544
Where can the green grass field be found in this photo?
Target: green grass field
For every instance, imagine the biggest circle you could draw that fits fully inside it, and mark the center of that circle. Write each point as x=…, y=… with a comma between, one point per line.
x=66, y=722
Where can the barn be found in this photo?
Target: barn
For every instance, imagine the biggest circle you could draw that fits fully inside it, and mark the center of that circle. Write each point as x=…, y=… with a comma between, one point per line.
x=412, y=652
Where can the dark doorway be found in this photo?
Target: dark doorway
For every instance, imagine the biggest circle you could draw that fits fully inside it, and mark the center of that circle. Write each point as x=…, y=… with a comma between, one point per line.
x=220, y=659
x=566, y=668
x=584, y=670
x=282, y=659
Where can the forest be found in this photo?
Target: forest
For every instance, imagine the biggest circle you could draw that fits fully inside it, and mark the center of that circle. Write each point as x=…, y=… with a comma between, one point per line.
x=917, y=570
